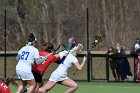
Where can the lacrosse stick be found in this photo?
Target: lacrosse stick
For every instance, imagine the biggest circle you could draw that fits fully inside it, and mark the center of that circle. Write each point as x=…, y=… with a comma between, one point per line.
x=97, y=40
x=60, y=48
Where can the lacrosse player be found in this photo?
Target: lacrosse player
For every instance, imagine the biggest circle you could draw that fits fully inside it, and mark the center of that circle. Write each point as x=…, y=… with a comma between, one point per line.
x=4, y=85
x=27, y=56
x=39, y=69
x=60, y=74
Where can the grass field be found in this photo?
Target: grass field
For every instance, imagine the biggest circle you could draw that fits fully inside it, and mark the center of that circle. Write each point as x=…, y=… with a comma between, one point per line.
x=98, y=87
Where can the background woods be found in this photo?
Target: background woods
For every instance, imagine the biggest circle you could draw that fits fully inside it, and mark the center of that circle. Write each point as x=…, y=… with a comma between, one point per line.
x=116, y=21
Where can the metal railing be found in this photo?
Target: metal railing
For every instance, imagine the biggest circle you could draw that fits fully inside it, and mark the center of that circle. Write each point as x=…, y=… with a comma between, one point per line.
x=90, y=65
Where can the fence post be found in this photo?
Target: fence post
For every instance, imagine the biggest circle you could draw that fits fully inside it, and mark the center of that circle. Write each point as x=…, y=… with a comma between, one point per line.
x=5, y=44
x=107, y=67
x=89, y=66
x=88, y=55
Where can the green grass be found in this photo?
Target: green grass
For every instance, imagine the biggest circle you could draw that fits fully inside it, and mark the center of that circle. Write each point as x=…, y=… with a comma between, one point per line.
x=97, y=87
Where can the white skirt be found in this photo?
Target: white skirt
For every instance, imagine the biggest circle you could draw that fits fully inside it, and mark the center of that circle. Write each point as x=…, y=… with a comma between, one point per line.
x=57, y=76
x=24, y=75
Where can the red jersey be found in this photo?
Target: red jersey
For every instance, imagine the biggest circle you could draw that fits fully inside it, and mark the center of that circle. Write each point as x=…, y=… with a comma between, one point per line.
x=41, y=68
x=4, y=88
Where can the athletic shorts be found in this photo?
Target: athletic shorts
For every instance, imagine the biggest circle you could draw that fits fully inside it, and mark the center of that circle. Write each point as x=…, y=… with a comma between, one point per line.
x=57, y=76
x=37, y=76
x=24, y=75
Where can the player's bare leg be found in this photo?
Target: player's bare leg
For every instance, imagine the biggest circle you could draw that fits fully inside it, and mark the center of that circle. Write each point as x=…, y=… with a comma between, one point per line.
x=32, y=84
x=38, y=85
x=49, y=85
x=20, y=87
x=70, y=83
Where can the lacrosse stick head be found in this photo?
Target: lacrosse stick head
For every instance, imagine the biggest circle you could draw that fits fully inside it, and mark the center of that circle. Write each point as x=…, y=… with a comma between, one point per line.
x=70, y=39
x=97, y=40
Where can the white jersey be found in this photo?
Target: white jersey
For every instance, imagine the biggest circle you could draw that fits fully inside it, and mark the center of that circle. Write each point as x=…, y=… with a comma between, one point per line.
x=69, y=60
x=28, y=54
x=60, y=73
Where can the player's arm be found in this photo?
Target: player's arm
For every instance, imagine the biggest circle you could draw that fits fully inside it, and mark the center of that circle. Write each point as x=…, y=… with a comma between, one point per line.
x=56, y=58
x=18, y=57
x=40, y=60
x=61, y=56
x=80, y=66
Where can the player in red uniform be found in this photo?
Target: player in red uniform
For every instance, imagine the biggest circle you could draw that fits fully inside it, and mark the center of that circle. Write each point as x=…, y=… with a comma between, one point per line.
x=39, y=70
x=4, y=85
x=4, y=88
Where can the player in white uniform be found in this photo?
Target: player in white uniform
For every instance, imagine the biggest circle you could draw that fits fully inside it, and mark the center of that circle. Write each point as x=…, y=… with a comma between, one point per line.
x=27, y=56
x=60, y=74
